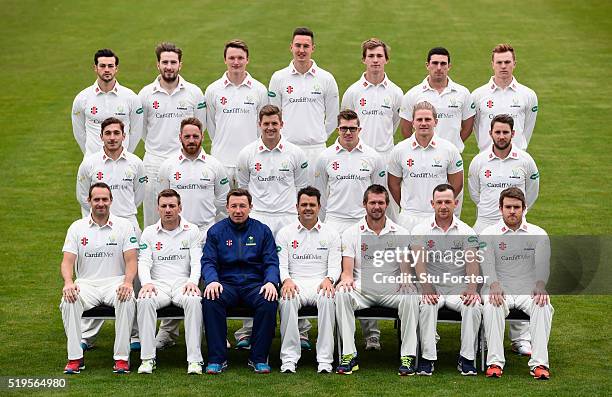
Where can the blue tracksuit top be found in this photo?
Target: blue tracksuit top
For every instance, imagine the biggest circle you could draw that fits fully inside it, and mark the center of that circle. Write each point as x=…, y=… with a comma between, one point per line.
x=240, y=254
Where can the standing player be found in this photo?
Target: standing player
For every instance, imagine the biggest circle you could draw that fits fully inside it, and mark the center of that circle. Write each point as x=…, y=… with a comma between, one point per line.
x=309, y=257
x=504, y=95
x=102, y=249
x=115, y=166
x=516, y=263
x=240, y=264
x=353, y=293
x=198, y=177
x=419, y=164
x=444, y=233
x=273, y=170
x=169, y=271
x=125, y=175
x=203, y=185
x=307, y=95
x=376, y=100
x=344, y=171
x=500, y=167
x=105, y=98
x=166, y=101
x=232, y=105
x=451, y=100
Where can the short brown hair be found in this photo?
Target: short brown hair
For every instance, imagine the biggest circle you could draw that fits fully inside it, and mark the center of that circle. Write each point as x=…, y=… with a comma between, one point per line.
x=270, y=110
x=303, y=31
x=191, y=121
x=501, y=48
x=372, y=43
x=101, y=185
x=442, y=188
x=236, y=43
x=512, y=192
x=504, y=119
x=425, y=106
x=169, y=193
x=239, y=193
x=109, y=121
x=168, y=47
x=348, y=115
x=376, y=189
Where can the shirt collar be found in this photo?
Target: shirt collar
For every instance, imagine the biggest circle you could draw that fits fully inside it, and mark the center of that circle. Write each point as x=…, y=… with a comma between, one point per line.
x=512, y=155
x=414, y=144
x=98, y=90
x=450, y=86
x=493, y=86
x=389, y=226
x=314, y=69
x=201, y=156
x=505, y=229
x=109, y=223
x=365, y=83
x=105, y=158
x=316, y=227
x=157, y=87
x=281, y=146
x=183, y=225
x=340, y=148
x=454, y=224
x=247, y=82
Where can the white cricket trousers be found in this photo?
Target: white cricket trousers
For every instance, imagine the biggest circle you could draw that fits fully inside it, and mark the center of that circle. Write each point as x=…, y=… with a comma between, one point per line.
x=470, y=325
x=540, y=320
x=95, y=293
x=171, y=293
x=291, y=350
x=406, y=304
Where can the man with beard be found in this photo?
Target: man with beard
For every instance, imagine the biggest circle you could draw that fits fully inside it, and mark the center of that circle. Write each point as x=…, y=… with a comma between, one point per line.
x=516, y=264
x=358, y=290
x=198, y=177
x=166, y=101
x=105, y=98
x=201, y=181
x=502, y=166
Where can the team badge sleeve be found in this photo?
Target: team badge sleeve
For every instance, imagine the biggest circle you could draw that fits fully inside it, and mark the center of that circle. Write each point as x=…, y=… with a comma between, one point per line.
x=139, y=184
x=275, y=94
x=199, y=110
x=78, y=122
x=136, y=122
x=82, y=186
x=211, y=121
x=145, y=259
x=531, y=113
x=532, y=183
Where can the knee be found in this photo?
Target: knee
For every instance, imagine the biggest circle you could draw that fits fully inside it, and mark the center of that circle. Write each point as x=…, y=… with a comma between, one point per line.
x=267, y=306
x=325, y=301
x=192, y=300
x=145, y=302
x=343, y=296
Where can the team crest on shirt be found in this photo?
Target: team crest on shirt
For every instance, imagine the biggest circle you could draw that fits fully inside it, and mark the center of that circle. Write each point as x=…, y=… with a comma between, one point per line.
x=250, y=241
x=284, y=166
x=453, y=103
x=182, y=105
x=437, y=162
x=112, y=240
x=129, y=176
x=205, y=176
x=515, y=103
x=316, y=89
x=229, y=242
x=249, y=100
x=516, y=173
x=120, y=111
x=457, y=245
x=386, y=103
x=503, y=246
x=184, y=244
x=322, y=245
x=365, y=166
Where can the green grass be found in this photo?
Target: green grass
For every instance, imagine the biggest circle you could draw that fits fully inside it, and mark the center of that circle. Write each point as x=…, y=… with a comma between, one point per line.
x=563, y=53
